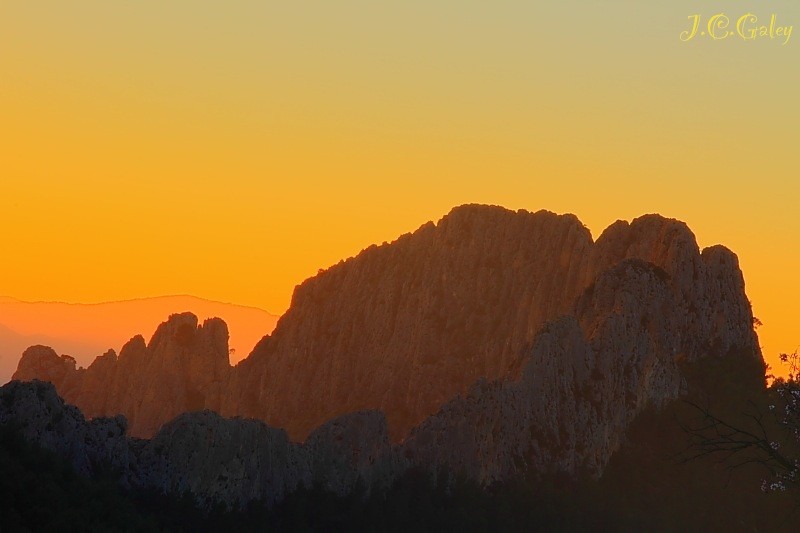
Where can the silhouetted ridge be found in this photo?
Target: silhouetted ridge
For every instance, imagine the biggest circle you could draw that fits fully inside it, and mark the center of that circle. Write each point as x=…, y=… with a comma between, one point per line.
x=184, y=367
x=442, y=306
x=405, y=327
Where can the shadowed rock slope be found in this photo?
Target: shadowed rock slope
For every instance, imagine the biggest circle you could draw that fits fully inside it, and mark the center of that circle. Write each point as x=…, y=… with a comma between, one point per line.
x=406, y=327
x=216, y=460
x=587, y=377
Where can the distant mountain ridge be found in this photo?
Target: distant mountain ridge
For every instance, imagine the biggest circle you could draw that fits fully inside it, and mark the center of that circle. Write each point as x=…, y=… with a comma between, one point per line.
x=85, y=331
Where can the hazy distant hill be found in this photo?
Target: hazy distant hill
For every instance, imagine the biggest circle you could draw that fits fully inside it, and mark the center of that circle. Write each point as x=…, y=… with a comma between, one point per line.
x=86, y=331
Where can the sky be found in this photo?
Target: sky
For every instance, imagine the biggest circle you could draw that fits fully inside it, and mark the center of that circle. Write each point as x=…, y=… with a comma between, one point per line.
x=229, y=150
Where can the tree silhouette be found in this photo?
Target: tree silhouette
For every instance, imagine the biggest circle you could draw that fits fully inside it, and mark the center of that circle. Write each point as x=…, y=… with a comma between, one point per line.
x=766, y=433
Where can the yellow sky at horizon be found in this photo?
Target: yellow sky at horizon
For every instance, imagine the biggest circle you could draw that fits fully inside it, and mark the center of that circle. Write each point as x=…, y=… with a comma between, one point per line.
x=230, y=151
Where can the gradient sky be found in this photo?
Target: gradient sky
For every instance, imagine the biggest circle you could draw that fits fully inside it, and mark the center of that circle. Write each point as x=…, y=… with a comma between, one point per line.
x=230, y=149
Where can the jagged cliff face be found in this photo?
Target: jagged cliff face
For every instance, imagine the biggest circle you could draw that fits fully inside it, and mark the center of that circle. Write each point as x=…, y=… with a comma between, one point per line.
x=585, y=380
x=496, y=343
x=217, y=460
x=184, y=368
x=406, y=326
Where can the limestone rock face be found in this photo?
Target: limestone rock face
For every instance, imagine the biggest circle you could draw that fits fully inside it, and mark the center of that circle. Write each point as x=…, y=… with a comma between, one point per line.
x=218, y=460
x=232, y=461
x=44, y=418
x=493, y=343
x=183, y=368
x=463, y=300
x=446, y=305
x=405, y=327
x=353, y=451
x=583, y=383
x=43, y=363
x=589, y=374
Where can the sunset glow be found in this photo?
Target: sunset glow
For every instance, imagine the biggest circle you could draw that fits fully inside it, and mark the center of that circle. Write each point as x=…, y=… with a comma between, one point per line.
x=229, y=152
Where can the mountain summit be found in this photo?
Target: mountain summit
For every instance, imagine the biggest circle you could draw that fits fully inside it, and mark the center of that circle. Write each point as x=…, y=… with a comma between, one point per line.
x=408, y=326
x=85, y=330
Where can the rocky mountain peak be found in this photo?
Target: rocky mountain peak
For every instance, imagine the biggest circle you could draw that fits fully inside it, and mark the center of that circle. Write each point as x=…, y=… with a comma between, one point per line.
x=42, y=362
x=406, y=326
x=182, y=333
x=462, y=347
x=133, y=347
x=184, y=367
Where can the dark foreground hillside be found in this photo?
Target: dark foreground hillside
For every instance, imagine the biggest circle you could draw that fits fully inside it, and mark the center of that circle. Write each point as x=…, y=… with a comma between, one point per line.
x=646, y=487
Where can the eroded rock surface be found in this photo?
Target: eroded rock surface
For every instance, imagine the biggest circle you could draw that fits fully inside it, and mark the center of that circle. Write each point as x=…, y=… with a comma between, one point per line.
x=493, y=344
x=217, y=460
x=405, y=327
x=183, y=368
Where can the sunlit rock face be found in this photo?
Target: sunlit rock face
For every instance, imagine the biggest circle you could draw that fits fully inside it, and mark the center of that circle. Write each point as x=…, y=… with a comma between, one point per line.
x=43, y=363
x=493, y=344
x=586, y=378
x=183, y=368
x=590, y=373
x=404, y=327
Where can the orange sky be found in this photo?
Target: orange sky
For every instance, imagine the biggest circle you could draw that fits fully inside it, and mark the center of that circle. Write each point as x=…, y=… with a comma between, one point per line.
x=231, y=151
x=87, y=331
